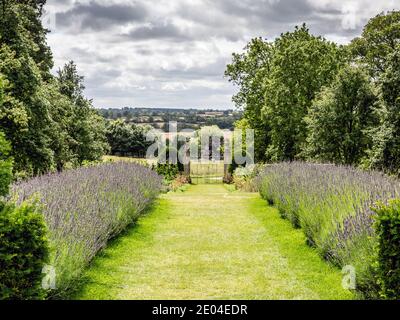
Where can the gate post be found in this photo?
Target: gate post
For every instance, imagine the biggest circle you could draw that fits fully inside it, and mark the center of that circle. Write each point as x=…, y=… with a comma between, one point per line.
x=186, y=169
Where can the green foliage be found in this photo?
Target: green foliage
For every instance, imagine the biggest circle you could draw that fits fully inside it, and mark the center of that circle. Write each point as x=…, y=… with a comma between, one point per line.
x=87, y=129
x=5, y=161
x=84, y=208
x=308, y=98
x=244, y=177
x=277, y=82
x=387, y=227
x=341, y=119
x=378, y=41
x=302, y=64
x=23, y=57
x=127, y=139
x=47, y=120
x=248, y=71
x=385, y=154
x=168, y=170
x=5, y=166
x=23, y=252
x=378, y=49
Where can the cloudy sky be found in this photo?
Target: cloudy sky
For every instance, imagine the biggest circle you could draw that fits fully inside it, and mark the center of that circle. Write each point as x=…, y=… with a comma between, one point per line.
x=173, y=53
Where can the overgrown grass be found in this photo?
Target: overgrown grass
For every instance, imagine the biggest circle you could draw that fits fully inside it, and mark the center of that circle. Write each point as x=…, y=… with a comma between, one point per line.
x=86, y=207
x=332, y=205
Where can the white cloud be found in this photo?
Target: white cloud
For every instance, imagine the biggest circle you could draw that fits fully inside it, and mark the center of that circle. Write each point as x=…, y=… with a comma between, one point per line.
x=173, y=52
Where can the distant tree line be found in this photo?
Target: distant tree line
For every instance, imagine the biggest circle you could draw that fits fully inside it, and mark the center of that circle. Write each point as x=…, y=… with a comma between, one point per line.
x=47, y=119
x=311, y=99
x=186, y=118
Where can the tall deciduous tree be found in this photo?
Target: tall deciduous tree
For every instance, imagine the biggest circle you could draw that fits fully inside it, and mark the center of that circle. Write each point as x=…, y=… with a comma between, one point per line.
x=25, y=60
x=47, y=120
x=378, y=41
x=301, y=65
x=341, y=119
x=87, y=128
x=5, y=160
x=248, y=72
x=386, y=152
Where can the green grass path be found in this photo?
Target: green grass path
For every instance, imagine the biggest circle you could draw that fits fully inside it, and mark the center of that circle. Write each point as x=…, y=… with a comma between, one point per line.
x=210, y=243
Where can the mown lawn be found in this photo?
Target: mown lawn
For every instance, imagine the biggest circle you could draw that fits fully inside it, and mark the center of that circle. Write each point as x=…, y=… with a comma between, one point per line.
x=210, y=243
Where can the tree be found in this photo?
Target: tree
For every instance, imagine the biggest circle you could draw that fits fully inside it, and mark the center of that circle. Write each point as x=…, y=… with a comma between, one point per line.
x=22, y=31
x=248, y=71
x=71, y=83
x=386, y=152
x=5, y=160
x=127, y=140
x=139, y=144
x=119, y=137
x=47, y=120
x=341, y=118
x=25, y=61
x=301, y=65
x=378, y=41
x=61, y=119
x=87, y=129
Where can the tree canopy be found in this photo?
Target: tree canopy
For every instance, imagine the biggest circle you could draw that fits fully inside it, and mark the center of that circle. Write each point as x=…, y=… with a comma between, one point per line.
x=5, y=160
x=312, y=99
x=248, y=71
x=341, y=118
x=46, y=125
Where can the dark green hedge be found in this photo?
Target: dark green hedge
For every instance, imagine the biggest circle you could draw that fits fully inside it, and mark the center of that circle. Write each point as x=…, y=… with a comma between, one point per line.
x=387, y=227
x=23, y=251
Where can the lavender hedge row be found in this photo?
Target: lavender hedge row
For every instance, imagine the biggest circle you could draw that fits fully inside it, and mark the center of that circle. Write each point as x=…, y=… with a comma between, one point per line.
x=332, y=204
x=86, y=207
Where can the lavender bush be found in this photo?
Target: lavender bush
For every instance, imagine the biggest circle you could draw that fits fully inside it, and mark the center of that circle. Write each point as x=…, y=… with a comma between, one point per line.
x=332, y=205
x=86, y=207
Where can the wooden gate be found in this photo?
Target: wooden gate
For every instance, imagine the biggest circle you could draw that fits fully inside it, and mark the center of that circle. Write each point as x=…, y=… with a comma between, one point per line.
x=207, y=172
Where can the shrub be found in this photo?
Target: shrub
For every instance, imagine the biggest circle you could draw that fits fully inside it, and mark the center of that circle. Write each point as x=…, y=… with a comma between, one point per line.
x=388, y=231
x=23, y=251
x=243, y=178
x=84, y=208
x=167, y=170
x=332, y=205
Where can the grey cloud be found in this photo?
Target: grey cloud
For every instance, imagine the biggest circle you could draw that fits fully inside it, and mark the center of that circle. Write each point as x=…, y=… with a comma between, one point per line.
x=103, y=78
x=91, y=56
x=214, y=70
x=197, y=97
x=150, y=52
x=164, y=30
x=96, y=16
x=238, y=20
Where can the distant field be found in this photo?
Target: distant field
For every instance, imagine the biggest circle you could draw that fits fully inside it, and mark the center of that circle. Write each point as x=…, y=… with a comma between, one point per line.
x=129, y=159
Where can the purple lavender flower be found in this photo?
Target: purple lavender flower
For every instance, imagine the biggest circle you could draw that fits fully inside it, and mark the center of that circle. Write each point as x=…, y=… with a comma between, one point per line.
x=84, y=208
